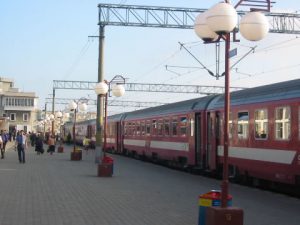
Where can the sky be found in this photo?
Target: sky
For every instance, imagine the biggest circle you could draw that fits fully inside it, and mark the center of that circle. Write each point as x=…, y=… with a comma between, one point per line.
x=47, y=40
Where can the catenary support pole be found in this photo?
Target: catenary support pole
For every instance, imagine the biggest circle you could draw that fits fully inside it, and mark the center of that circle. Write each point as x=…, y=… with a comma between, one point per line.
x=100, y=98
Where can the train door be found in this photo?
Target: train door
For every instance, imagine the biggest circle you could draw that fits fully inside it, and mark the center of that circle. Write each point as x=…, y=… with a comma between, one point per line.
x=118, y=138
x=211, y=150
x=198, y=141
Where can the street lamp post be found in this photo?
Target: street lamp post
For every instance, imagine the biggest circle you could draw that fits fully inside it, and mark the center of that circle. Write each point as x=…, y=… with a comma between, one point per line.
x=59, y=117
x=103, y=89
x=73, y=106
x=216, y=24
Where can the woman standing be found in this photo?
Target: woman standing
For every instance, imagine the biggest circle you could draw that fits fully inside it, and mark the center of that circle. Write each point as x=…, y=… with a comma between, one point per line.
x=51, y=143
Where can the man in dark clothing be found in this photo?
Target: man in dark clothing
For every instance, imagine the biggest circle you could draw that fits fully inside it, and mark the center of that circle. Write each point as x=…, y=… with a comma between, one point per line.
x=39, y=144
x=21, y=142
x=4, y=137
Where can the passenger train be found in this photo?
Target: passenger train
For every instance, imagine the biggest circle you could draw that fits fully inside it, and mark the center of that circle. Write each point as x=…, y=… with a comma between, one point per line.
x=264, y=134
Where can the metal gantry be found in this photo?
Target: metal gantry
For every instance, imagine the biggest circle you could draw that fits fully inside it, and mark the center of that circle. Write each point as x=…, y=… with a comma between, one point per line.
x=142, y=87
x=183, y=18
x=135, y=104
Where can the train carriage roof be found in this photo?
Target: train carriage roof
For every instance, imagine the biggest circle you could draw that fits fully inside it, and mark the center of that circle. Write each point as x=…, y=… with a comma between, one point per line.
x=278, y=91
x=172, y=108
x=117, y=117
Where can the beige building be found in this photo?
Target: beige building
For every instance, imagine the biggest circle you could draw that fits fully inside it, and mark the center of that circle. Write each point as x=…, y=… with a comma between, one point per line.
x=18, y=110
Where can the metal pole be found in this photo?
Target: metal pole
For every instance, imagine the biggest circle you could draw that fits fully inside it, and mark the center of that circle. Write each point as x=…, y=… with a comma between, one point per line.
x=105, y=123
x=100, y=99
x=226, y=123
x=53, y=99
x=74, y=136
x=45, y=121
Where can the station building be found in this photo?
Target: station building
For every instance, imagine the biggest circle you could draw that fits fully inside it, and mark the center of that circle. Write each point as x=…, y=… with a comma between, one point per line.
x=18, y=110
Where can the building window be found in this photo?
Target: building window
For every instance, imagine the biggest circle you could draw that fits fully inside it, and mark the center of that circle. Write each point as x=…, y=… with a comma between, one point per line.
x=13, y=117
x=25, y=116
x=243, y=121
x=282, y=123
x=261, y=123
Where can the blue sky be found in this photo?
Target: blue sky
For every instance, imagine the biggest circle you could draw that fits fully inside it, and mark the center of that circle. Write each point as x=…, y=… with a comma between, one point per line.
x=47, y=40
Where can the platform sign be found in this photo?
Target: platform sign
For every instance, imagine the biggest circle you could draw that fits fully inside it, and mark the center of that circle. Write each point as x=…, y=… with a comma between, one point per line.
x=233, y=52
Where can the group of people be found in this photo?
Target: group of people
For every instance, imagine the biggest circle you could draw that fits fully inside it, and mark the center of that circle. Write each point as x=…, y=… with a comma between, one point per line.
x=22, y=141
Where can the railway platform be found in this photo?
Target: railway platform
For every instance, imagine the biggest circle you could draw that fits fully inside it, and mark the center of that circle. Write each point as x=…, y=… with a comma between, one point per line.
x=51, y=189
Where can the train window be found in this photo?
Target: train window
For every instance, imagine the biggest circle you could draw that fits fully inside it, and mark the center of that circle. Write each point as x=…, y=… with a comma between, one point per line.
x=183, y=125
x=243, y=121
x=133, y=130
x=126, y=129
x=167, y=127
x=154, y=127
x=143, y=128
x=148, y=128
x=261, y=124
x=230, y=123
x=174, y=127
x=282, y=123
x=160, y=127
x=138, y=128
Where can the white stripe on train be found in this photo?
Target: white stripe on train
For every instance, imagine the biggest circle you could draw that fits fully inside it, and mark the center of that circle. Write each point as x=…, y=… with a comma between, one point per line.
x=259, y=154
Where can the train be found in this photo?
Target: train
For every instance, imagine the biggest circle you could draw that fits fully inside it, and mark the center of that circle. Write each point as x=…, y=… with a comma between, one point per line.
x=264, y=134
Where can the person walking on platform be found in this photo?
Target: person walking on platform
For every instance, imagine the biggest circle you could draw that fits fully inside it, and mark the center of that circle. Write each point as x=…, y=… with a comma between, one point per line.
x=39, y=148
x=5, y=138
x=20, y=144
x=86, y=144
x=51, y=143
x=1, y=144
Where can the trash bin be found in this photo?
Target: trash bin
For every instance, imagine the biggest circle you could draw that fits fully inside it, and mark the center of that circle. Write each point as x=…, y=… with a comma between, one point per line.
x=212, y=198
x=105, y=169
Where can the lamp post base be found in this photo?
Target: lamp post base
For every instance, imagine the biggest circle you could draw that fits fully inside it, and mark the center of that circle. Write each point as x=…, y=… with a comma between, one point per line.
x=76, y=155
x=224, y=216
x=60, y=149
x=105, y=170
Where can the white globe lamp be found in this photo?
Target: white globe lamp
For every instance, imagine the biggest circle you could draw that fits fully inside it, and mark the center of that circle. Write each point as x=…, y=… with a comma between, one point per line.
x=101, y=88
x=66, y=115
x=222, y=18
x=118, y=90
x=254, y=26
x=58, y=114
x=72, y=105
x=202, y=29
x=83, y=107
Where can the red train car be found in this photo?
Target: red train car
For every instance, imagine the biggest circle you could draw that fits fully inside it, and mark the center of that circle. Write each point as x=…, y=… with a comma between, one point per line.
x=264, y=133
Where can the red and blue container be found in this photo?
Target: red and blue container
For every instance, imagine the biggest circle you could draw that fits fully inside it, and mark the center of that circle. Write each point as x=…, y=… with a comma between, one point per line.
x=212, y=198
